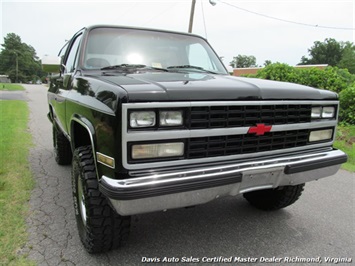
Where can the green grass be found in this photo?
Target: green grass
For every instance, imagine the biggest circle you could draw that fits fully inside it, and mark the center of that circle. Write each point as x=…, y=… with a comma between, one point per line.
x=10, y=87
x=16, y=181
x=345, y=141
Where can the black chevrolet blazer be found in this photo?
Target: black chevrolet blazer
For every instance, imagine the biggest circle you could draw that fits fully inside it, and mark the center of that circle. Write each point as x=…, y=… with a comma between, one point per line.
x=151, y=120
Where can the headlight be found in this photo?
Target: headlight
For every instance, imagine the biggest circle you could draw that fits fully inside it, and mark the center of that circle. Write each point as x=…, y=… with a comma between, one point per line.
x=323, y=112
x=328, y=112
x=142, y=119
x=170, y=118
x=319, y=135
x=159, y=150
x=316, y=112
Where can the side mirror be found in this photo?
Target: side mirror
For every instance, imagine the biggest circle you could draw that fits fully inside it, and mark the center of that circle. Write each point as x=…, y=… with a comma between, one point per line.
x=51, y=64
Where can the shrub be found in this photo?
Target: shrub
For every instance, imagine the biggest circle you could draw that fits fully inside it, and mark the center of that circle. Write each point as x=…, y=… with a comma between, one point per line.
x=331, y=78
x=279, y=72
x=328, y=79
x=347, y=106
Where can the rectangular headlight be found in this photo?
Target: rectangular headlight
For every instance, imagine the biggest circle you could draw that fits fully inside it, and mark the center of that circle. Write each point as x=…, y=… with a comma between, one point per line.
x=316, y=112
x=170, y=118
x=328, y=112
x=319, y=135
x=142, y=119
x=159, y=150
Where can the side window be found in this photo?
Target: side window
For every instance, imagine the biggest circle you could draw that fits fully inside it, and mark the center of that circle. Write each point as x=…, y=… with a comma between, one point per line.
x=72, y=56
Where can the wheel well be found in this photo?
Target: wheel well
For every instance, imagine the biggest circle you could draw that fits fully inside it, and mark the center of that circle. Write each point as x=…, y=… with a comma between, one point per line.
x=80, y=136
x=51, y=109
x=51, y=113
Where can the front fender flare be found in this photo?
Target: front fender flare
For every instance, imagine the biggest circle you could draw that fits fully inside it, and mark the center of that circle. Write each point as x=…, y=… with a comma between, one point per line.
x=89, y=128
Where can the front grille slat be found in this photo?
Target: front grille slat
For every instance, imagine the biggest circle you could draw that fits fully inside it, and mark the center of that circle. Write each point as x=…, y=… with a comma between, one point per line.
x=243, y=116
x=244, y=144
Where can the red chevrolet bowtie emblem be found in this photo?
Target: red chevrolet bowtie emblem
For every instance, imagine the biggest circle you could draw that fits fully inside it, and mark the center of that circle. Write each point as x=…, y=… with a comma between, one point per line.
x=260, y=129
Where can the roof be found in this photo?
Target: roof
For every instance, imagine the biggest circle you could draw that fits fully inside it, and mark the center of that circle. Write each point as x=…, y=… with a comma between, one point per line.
x=90, y=27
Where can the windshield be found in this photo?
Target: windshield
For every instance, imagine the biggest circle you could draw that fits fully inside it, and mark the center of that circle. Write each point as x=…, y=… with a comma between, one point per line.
x=115, y=46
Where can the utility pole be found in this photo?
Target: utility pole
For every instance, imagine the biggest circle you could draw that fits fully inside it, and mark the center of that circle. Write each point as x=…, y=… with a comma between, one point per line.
x=192, y=12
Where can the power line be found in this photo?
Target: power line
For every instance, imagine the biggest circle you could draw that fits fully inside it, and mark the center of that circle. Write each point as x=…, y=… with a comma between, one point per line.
x=285, y=20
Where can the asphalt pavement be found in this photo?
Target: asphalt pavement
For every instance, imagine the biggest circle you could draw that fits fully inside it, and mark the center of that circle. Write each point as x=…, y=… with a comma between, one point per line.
x=320, y=227
x=13, y=95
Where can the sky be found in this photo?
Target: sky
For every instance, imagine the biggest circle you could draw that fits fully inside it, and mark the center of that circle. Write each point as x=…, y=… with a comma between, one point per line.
x=276, y=30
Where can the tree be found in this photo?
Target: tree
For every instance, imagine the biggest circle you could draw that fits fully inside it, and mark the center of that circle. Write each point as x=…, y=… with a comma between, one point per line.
x=348, y=58
x=267, y=62
x=327, y=52
x=243, y=61
x=333, y=53
x=18, y=60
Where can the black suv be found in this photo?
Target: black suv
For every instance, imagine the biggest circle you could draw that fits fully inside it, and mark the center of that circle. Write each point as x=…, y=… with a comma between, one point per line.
x=151, y=120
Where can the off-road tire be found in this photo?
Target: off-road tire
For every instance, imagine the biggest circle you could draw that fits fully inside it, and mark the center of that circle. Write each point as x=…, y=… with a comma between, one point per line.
x=102, y=229
x=62, y=150
x=274, y=199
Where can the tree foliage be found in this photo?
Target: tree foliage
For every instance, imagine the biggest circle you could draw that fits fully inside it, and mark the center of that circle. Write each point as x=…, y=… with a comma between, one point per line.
x=347, y=105
x=18, y=60
x=348, y=58
x=330, y=78
x=333, y=53
x=243, y=61
x=267, y=62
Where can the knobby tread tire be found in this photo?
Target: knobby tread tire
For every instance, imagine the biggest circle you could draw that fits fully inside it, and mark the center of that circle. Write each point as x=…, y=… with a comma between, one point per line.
x=62, y=149
x=274, y=199
x=104, y=229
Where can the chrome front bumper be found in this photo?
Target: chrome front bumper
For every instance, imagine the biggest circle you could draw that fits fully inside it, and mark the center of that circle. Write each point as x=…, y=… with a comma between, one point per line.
x=161, y=190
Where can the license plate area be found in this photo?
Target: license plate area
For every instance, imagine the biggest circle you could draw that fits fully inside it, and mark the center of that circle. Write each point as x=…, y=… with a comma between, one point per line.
x=253, y=180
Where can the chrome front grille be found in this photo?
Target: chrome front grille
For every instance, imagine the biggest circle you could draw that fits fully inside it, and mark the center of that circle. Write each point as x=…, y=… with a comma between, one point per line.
x=244, y=144
x=247, y=115
x=234, y=130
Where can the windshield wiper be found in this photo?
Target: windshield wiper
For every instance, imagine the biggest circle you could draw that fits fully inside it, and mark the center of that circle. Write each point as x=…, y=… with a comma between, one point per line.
x=192, y=67
x=156, y=68
x=133, y=67
x=124, y=66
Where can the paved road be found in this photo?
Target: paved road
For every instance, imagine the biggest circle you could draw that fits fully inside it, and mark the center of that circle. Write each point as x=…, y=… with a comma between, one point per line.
x=13, y=95
x=320, y=224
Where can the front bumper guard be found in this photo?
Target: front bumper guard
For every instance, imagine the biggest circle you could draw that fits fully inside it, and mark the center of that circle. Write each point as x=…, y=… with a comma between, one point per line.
x=181, y=188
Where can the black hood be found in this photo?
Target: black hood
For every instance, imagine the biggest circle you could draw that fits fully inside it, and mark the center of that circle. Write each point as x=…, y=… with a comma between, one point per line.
x=145, y=87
